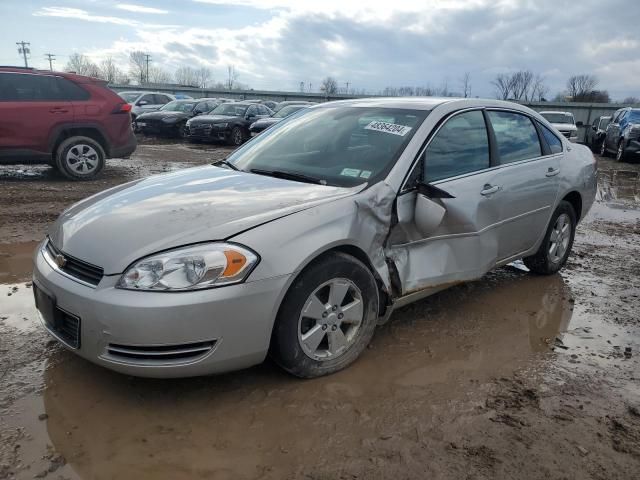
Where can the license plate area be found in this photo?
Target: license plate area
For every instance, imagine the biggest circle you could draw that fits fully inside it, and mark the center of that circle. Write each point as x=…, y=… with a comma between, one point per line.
x=61, y=323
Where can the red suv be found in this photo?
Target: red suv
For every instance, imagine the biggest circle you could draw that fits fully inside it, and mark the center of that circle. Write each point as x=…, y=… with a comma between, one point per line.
x=68, y=121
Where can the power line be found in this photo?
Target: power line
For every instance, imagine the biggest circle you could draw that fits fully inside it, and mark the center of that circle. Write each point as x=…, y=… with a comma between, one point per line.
x=24, y=51
x=51, y=57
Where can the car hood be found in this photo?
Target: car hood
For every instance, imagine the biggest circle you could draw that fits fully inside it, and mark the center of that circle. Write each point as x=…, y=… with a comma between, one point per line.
x=159, y=115
x=117, y=227
x=565, y=127
x=212, y=119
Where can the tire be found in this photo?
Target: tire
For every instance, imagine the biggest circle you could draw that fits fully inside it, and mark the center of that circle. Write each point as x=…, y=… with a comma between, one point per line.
x=236, y=138
x=79, y=158
x=603, y=148
x=544, y=262
x=328, y=338
x=620, y=151
x=181, y=131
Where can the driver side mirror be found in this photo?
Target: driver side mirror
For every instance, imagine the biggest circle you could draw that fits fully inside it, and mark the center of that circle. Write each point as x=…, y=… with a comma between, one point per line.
x=429, y=212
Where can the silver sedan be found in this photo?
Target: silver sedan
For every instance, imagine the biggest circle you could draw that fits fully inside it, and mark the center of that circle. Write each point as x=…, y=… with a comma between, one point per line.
x=309, y=236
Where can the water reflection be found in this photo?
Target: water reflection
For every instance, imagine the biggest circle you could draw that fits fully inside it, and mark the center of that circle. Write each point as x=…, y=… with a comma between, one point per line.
x=246, y=424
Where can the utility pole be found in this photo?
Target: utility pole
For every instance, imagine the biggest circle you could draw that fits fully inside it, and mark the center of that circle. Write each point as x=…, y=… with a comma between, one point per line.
x=347, y=90
x=24, y=51
x=147, y=59
x=51, y=57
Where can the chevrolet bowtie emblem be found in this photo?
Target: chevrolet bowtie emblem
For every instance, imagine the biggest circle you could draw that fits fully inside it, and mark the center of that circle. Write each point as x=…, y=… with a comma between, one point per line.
x=60, y=260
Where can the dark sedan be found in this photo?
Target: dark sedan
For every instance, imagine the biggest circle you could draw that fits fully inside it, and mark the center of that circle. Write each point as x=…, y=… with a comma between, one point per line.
x=172, y=117
x=264, y=123
x=229, y=122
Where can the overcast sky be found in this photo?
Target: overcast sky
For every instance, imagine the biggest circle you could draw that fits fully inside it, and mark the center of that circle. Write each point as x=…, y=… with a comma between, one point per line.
x=276, y=44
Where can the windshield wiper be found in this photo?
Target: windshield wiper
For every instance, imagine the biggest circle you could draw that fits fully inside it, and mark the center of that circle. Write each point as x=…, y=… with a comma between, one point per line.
x=227, y=164
x=289, y=176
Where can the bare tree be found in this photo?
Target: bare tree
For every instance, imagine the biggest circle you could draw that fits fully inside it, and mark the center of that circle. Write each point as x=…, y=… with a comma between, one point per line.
x=538, y=89
x=109, y=71
x=329, y=86
x=204, y=76
x=502, y=83
x=159, y=75
x=631, y=100
x=232, y=77
x=580, y=87
x=138, y=65
x=82, y=65
x=466, y=84
x=187, y=76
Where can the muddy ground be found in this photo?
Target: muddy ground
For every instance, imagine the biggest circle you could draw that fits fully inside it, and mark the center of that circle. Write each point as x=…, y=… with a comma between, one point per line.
x=512, y=376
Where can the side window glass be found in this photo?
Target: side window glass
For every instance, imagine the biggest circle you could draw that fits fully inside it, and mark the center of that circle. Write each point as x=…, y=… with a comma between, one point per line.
x=71, y=91
x=147, y=98
x=9, y=88
x=460, y=146
x=251, y=111
x=516, y=136
x=555, y=144
x=162, y=99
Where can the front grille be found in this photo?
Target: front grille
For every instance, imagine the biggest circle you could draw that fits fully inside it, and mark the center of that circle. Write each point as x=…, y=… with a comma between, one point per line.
x=76, y=268
x=180, y=353
x=200, y=130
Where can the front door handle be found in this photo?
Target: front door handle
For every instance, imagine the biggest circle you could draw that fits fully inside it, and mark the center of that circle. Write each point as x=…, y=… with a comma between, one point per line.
x=58, y=110
x=552, y=172
x=489, y=189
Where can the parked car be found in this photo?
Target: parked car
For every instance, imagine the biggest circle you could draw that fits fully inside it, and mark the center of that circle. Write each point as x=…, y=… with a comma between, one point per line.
x=229, y=122
x=596, y=132
x=281, y=105
x=564, y=123
x=306, y=238
x=172, y=117
x=270, y=104
x=623, y=135
x=260, y=125
x=68, y=121
x=143, y=102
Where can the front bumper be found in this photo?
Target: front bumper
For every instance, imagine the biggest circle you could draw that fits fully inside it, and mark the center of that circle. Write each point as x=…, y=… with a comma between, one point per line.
x=207, y=132
x=158, y=128
x=159, y=334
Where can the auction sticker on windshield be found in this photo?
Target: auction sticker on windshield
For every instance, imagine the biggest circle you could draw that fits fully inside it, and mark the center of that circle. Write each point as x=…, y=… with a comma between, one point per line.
x=392, y=128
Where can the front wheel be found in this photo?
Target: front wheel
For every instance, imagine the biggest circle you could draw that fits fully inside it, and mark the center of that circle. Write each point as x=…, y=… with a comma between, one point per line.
x=603, y=148
x=557, y=243
x=236, y=137
x=327, y=318
x=620, y=152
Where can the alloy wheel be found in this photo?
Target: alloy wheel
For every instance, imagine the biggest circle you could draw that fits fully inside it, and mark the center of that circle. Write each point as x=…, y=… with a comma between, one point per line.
x=82, y=159
x=560, y=238
x=620, y=151
x=603, y=148
x=331, y=319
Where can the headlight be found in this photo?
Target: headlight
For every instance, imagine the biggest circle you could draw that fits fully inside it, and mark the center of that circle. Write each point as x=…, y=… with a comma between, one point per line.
x=170, y=119
x=190, y=268
x=220, y=125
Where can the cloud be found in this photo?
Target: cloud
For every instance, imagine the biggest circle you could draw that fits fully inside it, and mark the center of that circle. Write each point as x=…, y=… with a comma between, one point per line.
x=78, y=14
x=141, y=9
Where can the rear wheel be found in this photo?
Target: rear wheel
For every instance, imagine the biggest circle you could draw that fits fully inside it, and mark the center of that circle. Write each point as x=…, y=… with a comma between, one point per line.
x=327, y=317
x=80, y=158
x=603, y=148
x=557, y=243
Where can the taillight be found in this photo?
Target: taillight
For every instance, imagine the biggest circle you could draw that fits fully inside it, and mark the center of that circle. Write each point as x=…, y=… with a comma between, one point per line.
x=122, y=108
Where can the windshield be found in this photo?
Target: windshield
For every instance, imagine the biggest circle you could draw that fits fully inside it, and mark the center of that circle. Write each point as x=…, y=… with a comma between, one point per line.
x=339, y=145
x=558, y=117
x=286, y=111
x=282, y=105
x=178, y=106
x=634, y=116
x=129, y=97
x=230, y=109
x=604, y=122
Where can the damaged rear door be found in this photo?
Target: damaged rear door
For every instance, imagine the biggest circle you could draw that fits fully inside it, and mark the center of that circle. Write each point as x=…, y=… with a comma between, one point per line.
x=447, y=211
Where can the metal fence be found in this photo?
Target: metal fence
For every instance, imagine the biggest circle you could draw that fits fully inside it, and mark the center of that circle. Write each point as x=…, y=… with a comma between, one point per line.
x=582, y=112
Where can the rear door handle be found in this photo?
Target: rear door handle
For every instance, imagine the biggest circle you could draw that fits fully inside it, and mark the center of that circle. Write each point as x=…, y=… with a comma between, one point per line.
x=552, y=172
x=489, y=189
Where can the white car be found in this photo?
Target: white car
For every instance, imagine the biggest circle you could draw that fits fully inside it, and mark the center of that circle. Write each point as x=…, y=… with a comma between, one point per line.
x=143, y=102
x=564, y=123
